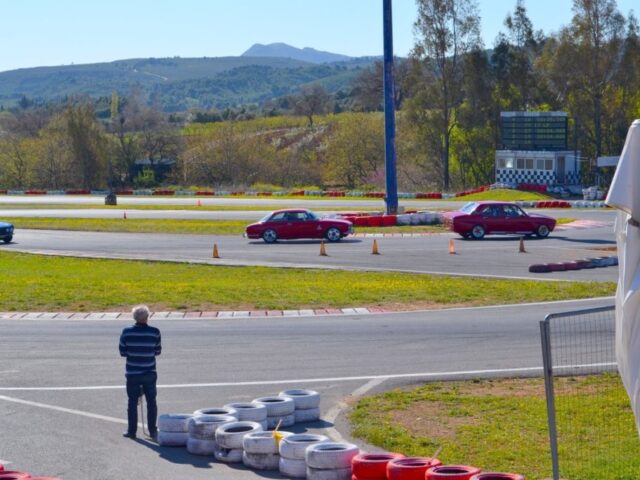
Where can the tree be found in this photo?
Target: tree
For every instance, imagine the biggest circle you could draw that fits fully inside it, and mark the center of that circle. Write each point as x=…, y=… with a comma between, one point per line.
x=367, y=91
x=312, y=100
x=446, y=30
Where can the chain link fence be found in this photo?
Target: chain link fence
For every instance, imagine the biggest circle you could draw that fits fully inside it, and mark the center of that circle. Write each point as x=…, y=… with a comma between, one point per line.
x=591, y=426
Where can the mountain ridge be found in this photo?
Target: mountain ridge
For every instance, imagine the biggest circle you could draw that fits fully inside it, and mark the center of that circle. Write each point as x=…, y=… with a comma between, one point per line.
x=283, y=50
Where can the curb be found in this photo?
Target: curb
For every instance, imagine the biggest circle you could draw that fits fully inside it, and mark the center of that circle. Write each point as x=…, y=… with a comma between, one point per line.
x=223, y=314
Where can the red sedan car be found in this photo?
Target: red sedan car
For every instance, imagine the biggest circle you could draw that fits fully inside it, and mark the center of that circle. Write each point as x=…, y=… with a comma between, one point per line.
x=298, y=223
x=477, y=219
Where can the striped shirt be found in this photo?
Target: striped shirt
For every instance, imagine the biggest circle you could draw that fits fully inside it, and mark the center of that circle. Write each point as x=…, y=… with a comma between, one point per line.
x=140, y=344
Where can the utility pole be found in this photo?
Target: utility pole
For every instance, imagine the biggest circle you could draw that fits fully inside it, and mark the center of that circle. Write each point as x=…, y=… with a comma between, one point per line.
x=391, y=197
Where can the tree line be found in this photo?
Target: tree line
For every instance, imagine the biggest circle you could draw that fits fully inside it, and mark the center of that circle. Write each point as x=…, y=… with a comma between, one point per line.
x=449, y=95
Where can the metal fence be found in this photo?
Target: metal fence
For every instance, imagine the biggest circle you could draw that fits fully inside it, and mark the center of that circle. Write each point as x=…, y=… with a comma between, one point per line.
x=591, y=427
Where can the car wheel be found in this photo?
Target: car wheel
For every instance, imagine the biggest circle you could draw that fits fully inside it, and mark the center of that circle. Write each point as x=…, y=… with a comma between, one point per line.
x=477, y=232
x=333, y=234
x=542, y=231
x=270, y=236
x=8, y=239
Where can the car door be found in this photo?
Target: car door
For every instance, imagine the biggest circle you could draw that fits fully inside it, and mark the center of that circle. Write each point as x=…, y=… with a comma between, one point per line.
x=491, y=218
x=296, y=225
x=277, y=222
x=516, y=221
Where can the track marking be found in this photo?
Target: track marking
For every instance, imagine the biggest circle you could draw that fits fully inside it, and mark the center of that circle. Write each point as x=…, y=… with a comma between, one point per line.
x=381, y=378
x=62, y=409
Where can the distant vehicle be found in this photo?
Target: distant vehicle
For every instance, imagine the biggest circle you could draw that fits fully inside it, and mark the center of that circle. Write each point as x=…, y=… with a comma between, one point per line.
x=6, y=232
x=477, y=219
x=298, y=223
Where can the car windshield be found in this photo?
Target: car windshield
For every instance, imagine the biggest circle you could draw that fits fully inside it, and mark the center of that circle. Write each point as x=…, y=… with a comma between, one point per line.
x=469, y=207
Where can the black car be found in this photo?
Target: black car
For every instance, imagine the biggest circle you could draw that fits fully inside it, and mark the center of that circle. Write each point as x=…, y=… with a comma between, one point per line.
x=6, y=232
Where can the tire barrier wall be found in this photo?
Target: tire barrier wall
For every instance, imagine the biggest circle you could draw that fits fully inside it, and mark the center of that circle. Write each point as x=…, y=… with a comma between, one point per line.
x=306, y=402
x=330, y=461
x=596, y=262
x=173, y=429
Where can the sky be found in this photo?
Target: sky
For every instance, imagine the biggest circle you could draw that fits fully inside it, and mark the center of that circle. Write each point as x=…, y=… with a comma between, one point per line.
x=62, y=32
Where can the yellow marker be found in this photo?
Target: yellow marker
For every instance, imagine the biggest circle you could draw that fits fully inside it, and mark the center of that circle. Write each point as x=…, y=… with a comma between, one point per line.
x=215, y=251
x=323, y=251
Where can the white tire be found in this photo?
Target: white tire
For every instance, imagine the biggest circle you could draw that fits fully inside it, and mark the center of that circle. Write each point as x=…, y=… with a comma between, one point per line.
x=249, y=412
x=229, y=435
x=303, y=399
x=328, y=474
x=285, y=421
x=262, y=442
x=330, y=455
x=264, y=424
x=217, y=411
x=261, y=461
x=205, y=426
x=174, y=422
x=226, y=455
x=308, y=415
x=201, y=447
x=294, y=446
x=292, y=468
x=172, y=439
x=277, y=406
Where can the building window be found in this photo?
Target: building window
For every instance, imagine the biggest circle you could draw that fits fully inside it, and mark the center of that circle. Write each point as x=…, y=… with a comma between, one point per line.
x=520, y=163
x=529, y=164
x=508, y=163
x=548, y=164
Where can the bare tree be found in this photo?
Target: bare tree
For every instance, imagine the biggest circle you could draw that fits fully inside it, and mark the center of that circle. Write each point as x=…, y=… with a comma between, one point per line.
x=312, y=100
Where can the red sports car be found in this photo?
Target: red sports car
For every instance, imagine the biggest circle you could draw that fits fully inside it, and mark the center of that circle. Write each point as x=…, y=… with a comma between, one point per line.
x=298, y=223
x=477, y=219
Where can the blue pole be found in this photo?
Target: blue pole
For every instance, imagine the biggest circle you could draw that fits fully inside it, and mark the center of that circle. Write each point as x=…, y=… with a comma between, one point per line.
x=391, y=198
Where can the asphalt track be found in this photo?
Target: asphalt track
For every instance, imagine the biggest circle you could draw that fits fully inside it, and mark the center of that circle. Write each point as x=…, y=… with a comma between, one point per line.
x=62, y=402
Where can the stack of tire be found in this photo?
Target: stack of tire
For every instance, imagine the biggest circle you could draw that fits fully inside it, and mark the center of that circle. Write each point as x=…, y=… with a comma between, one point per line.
x=307, y=404
x=330, y=461
x=229, y=437
x=372, y=466
x=292, y=453
x=202, y=433
x=411, y=468
x=250, y=412
x=280, y=411
x=261, y=450
x=173, y=429
x=451, y=472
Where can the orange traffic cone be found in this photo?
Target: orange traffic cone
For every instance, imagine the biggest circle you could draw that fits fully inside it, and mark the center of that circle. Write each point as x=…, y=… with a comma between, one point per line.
x=521, y=249
x=452, y=246
x=199, y=203
x=323, y=252
x=215, y=251
x=124, y=216
x=374, y=249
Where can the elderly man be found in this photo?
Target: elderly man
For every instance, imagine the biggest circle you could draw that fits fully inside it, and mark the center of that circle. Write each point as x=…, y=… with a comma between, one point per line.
x=140, y=344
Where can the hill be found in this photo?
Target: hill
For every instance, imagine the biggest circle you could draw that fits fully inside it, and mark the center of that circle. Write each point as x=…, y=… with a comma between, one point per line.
x=180, y=83
x=282, y=50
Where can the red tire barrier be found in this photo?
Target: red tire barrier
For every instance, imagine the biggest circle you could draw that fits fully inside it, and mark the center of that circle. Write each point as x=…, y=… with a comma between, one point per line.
x=556, y=267
x=451, y=472
x=205, y=193
x=77, y=192
x=360, y=221
x=367, y=466
x=1, y=467
x=583, y=264
x=571, y=266
x=497, y=476
x=539, y=268
x=14, y=475
x=3, y=192
x=389, y=220
x=410, y=468
x=374, y=221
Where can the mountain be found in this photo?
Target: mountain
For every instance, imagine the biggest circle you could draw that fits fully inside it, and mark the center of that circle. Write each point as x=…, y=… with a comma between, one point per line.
x=179, y=84
x=283, y=50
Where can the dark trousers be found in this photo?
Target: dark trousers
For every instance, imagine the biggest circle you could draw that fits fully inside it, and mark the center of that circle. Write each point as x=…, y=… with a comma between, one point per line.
x=148, y=384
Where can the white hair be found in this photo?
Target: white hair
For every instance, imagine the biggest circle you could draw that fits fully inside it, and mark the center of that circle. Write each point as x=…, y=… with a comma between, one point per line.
x=140, y=313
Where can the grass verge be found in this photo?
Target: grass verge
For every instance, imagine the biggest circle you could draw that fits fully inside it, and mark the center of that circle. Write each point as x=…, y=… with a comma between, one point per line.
x=64, y=283
x=501, y=425
x=504, y=195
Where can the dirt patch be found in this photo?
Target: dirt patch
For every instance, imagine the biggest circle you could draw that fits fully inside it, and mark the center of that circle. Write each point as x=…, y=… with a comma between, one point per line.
x=431, y=420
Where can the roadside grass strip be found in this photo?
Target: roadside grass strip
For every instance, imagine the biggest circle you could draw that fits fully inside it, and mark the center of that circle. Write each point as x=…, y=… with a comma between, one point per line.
x=501, y=425
x=503, y=195
x=194, y=227
x=50, y=283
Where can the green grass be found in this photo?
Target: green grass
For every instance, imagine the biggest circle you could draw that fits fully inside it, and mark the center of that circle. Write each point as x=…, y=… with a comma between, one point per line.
x=64, y=283
x=501, y=425
x=194, y=207
x=504, y=195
